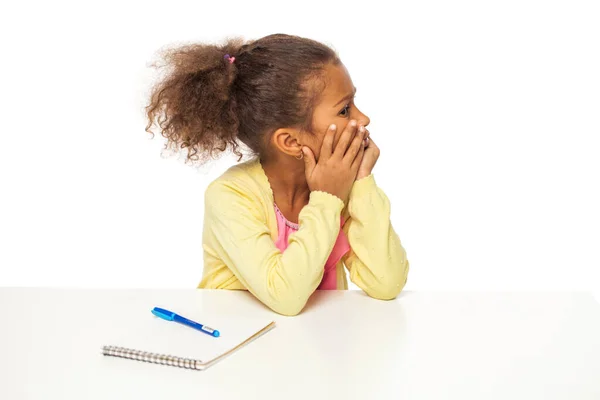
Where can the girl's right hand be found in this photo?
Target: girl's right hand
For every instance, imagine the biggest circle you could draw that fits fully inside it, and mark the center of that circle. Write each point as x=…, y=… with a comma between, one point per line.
x=336, y=169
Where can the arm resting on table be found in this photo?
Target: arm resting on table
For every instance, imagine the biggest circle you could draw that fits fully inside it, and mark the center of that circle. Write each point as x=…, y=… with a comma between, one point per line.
x=236, y=232
x=377, y=261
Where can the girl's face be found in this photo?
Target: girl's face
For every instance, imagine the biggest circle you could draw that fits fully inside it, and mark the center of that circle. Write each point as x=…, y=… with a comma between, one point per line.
x=336, y=107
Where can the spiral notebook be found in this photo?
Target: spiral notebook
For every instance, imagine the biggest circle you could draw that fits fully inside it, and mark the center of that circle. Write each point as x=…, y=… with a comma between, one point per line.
x=173, y=344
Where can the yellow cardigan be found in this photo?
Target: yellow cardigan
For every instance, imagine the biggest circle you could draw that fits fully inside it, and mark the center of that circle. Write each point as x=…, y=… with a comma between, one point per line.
x=240, y=230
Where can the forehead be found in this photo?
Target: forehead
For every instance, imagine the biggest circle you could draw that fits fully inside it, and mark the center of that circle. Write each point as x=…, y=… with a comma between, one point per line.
x=337, y=83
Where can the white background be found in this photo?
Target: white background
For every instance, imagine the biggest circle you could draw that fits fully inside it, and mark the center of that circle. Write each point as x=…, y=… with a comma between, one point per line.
x=487, y=114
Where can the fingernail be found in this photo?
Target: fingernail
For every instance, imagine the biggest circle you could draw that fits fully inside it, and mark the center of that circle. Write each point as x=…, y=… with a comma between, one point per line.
x=353, y=123
x=332, y=127
x=361, y=129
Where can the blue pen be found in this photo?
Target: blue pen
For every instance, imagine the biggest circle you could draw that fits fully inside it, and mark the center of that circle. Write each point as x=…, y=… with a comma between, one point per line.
x=171, y=316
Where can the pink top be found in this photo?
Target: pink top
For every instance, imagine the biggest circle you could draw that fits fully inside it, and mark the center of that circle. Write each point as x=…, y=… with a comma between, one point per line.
x=341, y=247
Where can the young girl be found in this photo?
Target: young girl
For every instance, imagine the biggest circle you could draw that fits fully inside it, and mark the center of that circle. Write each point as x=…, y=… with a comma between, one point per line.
x=285, y=222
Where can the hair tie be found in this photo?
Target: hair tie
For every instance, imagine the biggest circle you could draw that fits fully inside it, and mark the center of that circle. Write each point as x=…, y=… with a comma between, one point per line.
x=228, y=57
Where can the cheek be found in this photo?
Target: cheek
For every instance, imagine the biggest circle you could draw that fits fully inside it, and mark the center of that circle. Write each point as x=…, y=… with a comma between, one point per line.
x=314, y=143
x=338, y=134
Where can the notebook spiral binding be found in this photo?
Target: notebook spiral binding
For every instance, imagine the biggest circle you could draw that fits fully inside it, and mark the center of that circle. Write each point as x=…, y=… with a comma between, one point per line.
x=155, y=358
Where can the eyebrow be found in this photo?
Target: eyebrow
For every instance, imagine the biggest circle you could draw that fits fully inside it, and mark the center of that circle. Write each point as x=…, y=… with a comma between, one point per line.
x=346, y=97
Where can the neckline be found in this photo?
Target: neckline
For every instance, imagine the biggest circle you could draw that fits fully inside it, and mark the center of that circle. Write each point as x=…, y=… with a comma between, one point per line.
x=287, y=222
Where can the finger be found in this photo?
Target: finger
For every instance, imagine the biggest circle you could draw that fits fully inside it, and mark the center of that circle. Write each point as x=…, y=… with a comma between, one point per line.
x=372, y=151
x=309, y=161
x=366, y=142
x=358, y=159
x=355, y=146
x=372, y=144
x=345, y=139
x=327, y=145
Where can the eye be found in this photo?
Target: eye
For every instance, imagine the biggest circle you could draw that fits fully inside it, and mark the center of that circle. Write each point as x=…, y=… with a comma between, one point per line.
x=345, y=110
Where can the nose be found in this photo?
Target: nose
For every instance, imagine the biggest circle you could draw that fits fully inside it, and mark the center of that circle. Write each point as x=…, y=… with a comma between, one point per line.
x=364, y=120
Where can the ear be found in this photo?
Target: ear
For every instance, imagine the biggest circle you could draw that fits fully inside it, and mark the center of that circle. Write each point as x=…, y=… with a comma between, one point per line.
x=287, y=141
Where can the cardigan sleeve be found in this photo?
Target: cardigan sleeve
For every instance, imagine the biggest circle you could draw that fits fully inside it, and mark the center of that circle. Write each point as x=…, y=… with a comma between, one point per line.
x=236, y=231
x=377, y=261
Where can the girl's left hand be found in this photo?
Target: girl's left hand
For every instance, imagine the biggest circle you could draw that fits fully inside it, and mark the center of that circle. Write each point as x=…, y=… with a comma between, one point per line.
x=369, y=158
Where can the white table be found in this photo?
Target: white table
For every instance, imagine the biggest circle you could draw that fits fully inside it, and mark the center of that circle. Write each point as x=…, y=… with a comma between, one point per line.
x=423, y=345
